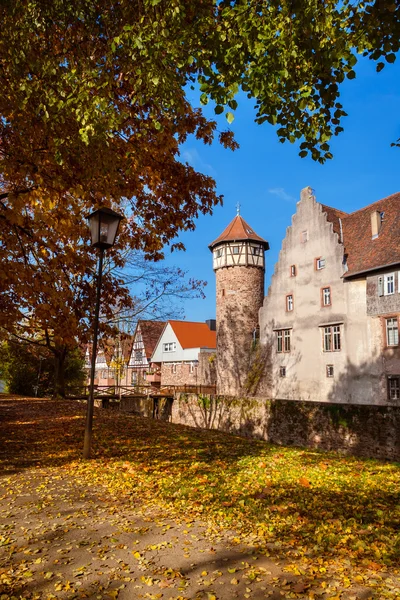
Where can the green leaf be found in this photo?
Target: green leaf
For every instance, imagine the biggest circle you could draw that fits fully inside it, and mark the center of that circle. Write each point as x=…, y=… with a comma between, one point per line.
x=230, y=117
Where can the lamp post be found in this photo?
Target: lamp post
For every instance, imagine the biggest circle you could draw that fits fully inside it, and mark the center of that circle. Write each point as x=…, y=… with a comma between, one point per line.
x=103, y=224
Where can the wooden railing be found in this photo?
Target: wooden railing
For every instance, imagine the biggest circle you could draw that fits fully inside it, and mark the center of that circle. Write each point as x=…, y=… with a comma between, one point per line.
x=123, y=391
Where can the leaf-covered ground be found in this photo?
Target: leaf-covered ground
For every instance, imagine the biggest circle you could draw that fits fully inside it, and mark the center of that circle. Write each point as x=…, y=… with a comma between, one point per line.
x=165, y=511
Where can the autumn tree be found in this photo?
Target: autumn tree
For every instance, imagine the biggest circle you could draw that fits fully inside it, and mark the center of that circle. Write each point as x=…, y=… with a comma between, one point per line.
x=94, y=110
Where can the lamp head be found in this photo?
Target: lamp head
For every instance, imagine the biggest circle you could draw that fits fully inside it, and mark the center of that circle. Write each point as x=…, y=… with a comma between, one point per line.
x=104, y=224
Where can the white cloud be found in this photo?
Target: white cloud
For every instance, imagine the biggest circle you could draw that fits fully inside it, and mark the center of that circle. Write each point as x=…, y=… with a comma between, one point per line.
x=279, y=192
x=192, y=156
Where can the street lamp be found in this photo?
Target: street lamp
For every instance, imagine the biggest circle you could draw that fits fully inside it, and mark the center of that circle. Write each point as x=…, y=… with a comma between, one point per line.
x=103, y=224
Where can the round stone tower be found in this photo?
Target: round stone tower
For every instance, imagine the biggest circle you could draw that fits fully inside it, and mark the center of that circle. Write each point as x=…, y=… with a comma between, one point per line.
x=238, y=262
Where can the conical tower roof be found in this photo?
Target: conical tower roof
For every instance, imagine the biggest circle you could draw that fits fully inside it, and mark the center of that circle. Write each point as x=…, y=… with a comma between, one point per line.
x=238, y=231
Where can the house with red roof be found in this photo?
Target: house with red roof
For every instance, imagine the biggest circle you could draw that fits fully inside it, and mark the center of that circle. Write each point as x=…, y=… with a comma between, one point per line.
x=185, y=353
x=330, y=321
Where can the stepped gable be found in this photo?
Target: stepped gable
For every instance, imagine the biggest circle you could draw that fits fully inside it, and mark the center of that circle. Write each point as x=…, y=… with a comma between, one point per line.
x=362, y=252
x=151, y=332
x=334, y=216
x=193, y=334
x=238, y=231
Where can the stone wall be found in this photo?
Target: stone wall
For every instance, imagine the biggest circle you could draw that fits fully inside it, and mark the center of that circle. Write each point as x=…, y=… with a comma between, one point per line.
x=240, y=293
x=201, y=372
x=383, y=305
x=360, y=430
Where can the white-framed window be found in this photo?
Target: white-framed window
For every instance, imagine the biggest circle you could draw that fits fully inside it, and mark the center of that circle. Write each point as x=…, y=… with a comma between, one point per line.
x=304, y=236
x=293, y=271
x=332, y=338
x=392, y=331
x=326, y=296
x=235, y=249
x=388, y=284
x=283, y=339
x=134, y=377
x=393, y=387
x=169, y=347
x=282, y=371
x=173, y=368
x=104, y=374
x=329, y=371
x=289, y=302
x=320, y=263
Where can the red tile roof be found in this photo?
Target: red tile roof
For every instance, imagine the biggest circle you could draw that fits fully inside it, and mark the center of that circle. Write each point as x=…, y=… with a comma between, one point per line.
x=194, y=335
x=362, y=252
x=151, y=332
x=238, y=230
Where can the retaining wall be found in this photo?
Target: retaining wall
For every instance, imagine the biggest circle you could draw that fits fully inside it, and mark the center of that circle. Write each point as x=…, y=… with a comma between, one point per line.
x=360, y=430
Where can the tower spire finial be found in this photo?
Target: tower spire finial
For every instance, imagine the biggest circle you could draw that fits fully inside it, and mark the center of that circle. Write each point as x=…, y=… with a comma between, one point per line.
x=238, y=208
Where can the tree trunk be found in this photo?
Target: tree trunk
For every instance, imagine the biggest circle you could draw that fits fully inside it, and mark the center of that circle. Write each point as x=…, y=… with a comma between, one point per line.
x=59, y=372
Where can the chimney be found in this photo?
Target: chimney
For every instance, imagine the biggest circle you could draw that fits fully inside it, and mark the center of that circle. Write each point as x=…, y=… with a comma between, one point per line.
x=376, y=222
x=212, y=324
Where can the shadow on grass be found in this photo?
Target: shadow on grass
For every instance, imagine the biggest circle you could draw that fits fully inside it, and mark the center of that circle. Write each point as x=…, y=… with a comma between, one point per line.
x=323, y=503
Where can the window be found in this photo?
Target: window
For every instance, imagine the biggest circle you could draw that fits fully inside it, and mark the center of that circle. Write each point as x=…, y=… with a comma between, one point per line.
x=138, y=356
x=319, y=263
x=104, y=374
x=289, y=302
x=293, y=271
x=169, y=347
x=283, y=340
x=393, y=387
x=235, y=249
x=332, y=338
x=388, y=285
x=173, y=368
x=144, y=375
x=219, y=252
x=223, y=292
x=329, y=371
x=256, y=250
x=134, y=377
x=392, y=332
x=326, y=296
x=282, y=371
x=304, y=236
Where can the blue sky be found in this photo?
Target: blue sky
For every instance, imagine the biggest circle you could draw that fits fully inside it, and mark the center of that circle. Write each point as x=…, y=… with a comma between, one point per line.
x=266, y=176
